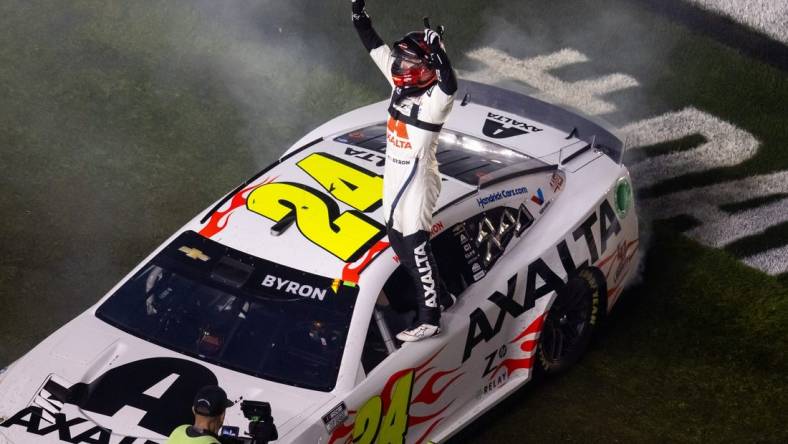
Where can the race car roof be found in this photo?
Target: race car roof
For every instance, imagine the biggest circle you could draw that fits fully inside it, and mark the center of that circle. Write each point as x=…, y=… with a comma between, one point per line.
x=460, y=156
x=301, y=212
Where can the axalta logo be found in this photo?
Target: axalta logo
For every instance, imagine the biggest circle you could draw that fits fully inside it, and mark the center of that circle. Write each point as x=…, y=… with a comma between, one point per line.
x=425, y=270
x=500, y=127
x=292, y=287
x=503, y=194
x=397, y=134
x=540, y=279
x=120, y=388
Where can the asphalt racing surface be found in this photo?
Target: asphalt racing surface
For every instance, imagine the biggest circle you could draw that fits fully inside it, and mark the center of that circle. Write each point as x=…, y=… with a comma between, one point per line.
x=119, y=121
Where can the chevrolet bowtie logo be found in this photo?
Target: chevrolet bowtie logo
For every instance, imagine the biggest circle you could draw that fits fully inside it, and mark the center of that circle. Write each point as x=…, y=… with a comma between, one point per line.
x=193, y=253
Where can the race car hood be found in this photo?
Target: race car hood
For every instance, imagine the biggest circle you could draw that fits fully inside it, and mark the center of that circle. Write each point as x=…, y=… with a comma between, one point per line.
x=318, y=209
x=91, y=383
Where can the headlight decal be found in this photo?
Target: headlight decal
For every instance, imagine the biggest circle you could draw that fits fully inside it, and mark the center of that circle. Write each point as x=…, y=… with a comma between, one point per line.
x=623, y=197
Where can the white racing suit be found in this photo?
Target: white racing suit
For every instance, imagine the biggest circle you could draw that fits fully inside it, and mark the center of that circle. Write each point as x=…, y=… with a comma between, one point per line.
x=411, y=182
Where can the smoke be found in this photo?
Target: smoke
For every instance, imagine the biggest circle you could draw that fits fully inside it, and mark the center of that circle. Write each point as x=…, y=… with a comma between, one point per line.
x=263, y=58
x=616, y=38
x=592, y=47
x=121, y=120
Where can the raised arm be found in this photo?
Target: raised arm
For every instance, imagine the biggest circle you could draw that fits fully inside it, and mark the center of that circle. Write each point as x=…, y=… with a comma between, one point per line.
x=363, y=24
x=447, y=79
x=378, y=50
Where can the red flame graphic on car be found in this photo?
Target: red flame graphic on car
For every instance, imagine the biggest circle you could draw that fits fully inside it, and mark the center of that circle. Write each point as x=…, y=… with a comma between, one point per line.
x=352, y=272
x=423, y=403
x=618, y=263
x=219, y=219
x=529, y=338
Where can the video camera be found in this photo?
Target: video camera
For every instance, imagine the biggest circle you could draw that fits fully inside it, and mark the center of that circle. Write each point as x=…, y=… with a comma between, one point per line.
x=261, y=425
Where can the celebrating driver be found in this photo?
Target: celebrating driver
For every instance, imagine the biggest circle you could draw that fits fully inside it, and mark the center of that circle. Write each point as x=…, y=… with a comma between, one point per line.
x=424, y=85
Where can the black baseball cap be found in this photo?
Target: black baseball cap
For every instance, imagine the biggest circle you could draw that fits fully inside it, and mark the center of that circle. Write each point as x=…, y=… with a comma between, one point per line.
x=211, y=400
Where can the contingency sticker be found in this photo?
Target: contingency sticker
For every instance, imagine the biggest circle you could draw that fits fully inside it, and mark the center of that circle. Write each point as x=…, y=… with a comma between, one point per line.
x=335, y=417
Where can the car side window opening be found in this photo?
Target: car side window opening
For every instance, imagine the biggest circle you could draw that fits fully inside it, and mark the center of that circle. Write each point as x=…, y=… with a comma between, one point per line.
x=387, y=318
x=465, y=253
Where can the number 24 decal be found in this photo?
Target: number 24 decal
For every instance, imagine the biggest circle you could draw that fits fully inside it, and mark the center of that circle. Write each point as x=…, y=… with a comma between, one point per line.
x=372, y=425
x=346, y=235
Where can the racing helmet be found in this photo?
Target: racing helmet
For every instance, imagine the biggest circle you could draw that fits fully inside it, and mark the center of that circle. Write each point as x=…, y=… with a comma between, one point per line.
x=411, y=67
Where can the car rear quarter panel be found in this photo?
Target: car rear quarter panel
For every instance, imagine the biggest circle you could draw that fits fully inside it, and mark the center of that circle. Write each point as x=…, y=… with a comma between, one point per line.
x=489, y=338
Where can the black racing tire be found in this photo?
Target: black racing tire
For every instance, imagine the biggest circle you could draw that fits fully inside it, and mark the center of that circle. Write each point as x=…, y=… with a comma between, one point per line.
x=571, y=322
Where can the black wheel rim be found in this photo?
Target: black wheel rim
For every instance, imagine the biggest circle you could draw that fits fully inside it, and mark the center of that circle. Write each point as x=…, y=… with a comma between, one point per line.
x=566, y=325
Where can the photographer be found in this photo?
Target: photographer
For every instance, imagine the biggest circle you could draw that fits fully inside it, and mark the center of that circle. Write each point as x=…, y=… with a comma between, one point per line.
x=209, y=407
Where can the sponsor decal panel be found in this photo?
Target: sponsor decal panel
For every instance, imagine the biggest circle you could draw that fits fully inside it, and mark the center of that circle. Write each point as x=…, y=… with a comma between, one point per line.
x=556, y=182
x=335, y=417
x=397, y=134
x=498, y=126
x=436, y=228
x=294, y=288
x=426, y=276
x=503, y=194
x=538, y=198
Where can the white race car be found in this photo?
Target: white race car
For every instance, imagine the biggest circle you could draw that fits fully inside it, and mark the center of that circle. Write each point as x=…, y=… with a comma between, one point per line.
x=285, y=291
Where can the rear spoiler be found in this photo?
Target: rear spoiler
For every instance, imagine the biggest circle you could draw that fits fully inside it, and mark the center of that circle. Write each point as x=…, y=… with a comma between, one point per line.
x=575, y=123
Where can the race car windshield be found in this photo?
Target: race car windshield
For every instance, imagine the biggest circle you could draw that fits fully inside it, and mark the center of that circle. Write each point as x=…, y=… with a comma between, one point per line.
x=241, y=312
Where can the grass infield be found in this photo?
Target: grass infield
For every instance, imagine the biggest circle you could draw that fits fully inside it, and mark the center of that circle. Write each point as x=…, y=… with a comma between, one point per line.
x=121, y=120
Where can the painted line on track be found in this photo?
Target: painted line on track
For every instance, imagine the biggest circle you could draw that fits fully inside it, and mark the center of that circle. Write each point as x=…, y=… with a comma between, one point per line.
x=724, y=29
x=767, y=16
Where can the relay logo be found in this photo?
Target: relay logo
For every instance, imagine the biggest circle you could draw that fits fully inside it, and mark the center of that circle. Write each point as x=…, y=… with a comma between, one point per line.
x=503, y=194
x=538, y=198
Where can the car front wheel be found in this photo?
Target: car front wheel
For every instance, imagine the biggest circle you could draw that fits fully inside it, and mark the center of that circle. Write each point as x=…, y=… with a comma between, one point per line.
x=571, y=322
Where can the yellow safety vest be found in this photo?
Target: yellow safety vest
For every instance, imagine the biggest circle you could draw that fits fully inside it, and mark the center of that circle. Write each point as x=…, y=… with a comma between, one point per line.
x=179, y=436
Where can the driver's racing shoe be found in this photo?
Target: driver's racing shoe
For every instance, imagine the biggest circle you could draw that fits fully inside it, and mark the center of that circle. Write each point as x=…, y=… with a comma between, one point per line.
x=423, y=331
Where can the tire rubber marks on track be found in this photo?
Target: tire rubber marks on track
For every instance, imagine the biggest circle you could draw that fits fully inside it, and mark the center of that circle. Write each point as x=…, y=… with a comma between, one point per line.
x=726, y=145
x=534, y=71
